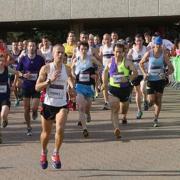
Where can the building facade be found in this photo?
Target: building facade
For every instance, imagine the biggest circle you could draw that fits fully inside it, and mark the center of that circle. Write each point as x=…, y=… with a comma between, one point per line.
x=92, y=15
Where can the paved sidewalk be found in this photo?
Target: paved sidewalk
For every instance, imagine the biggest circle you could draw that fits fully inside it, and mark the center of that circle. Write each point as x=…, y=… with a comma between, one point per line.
x=144, y=153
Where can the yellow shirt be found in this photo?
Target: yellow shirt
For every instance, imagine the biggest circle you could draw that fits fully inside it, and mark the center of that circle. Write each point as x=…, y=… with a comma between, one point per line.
x=69, y=49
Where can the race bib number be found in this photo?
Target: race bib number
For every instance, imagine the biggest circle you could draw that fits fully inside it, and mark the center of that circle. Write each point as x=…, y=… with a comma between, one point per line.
x=56, y=91
x=84, y=77
x=118, y=78
x=155, y=72
x=3, y=88
x=33, y=77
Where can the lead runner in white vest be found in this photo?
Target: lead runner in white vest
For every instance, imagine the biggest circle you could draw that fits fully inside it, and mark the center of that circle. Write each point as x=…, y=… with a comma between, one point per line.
x=54, y=77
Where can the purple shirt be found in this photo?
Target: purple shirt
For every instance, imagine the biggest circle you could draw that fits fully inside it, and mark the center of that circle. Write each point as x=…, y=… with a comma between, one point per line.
x=32, y=66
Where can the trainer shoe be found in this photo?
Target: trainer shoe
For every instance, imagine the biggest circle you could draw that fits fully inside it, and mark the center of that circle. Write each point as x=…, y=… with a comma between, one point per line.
x=124, y=121
x=117, y=133
x=56, y=163
x=88, y=117
x=17, y=103
x=85, y=133
x=79, y=123
x=4, y=123
x=34, y=115
x=155, y=124
x=139, y=115
x=43, y=161
x=29, y=132
x=146, y=106
x=106, y=106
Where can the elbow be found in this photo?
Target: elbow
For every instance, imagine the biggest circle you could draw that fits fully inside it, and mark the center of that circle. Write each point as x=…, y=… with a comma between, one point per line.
x=37, y=88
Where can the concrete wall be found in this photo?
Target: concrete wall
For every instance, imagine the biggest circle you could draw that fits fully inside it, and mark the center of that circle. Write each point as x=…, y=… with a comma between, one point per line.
x=28, y=10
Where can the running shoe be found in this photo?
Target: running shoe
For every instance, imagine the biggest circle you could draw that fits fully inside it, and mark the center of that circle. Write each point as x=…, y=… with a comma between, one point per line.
x=17, y=103
x=124, y=121
x=139, y=115
x=29, y=132
x=85, y=133
x=155, y=124
x=117, y=133
x=34, y=115
x=43, y=161
x=56, y=163
x=146, y=105
x=88, y=117
x=79, y=123
x=96, y=94
x=106, y=106
x=4, y=123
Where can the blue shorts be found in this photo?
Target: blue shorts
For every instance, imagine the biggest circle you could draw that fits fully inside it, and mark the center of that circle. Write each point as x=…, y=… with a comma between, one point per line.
x=85, y=90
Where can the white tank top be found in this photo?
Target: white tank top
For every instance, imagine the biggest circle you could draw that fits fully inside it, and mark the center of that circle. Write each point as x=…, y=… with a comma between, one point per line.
x=107, y=53
x=137, y=56
x=56, y=91
x=47, y=54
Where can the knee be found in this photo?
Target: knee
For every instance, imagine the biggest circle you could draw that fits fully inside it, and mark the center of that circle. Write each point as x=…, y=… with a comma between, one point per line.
x=81, y=108
x=27, y=108
x=45, y=133
x=60, y=130
x=115, y=109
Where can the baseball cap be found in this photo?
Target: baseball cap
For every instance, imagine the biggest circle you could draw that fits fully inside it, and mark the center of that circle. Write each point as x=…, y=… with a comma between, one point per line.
x=158, y=40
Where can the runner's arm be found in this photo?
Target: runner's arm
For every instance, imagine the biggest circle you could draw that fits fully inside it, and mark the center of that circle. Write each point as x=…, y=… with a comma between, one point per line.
x=105, y=77
x=42, y=81
x=131, y=67
x=73, y=68
x=11, y=70
x=95, y=61
x=129, y=54
x=142, y=62
x=168, y=63
x=70, y=77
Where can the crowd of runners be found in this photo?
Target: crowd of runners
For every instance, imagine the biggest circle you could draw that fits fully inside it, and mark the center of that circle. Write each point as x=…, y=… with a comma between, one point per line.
x=68, y=76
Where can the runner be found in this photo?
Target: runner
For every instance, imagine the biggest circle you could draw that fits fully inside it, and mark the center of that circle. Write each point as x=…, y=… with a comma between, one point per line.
x=54, y=77
x=94, y=51
x=46, y=49
x=84, y=36
x=136, y=53
x=84, y=72
x=20, y=46
x=147, y=37
x=114, y=38
x=106, y=52
x=70, y=46
x=155, y=75
x=30, y=66
x=15, y=52
x=119, y=86
x=4, y=92
x=97, y=41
